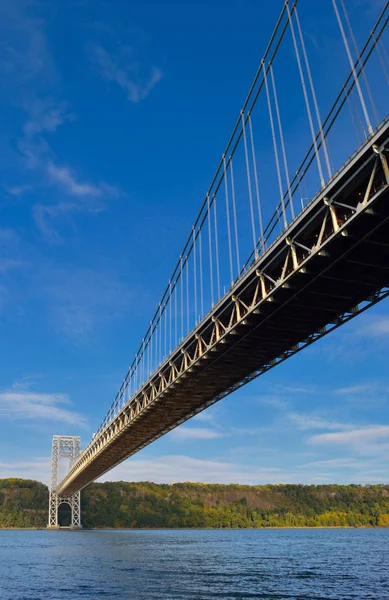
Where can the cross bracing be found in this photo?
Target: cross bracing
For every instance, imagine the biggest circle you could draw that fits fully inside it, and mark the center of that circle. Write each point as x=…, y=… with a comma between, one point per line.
x=253, y=286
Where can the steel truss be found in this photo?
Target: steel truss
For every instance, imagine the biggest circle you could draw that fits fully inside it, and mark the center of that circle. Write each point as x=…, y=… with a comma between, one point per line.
x=63, y=447
x=329, y=217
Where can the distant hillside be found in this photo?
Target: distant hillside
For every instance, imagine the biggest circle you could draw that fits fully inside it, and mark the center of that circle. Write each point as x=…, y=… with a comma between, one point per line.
x=24, y=503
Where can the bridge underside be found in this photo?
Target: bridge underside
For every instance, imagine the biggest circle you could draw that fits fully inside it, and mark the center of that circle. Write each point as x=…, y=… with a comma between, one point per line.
x=333, y=257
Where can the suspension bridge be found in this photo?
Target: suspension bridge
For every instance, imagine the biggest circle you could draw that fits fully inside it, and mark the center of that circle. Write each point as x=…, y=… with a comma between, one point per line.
x=291, y=241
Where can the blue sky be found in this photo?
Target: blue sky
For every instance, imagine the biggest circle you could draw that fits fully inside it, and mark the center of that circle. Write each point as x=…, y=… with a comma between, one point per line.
x=113, y=118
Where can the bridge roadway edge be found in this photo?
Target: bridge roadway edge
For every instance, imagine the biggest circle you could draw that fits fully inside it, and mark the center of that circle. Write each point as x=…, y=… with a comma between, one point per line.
x=333, y=257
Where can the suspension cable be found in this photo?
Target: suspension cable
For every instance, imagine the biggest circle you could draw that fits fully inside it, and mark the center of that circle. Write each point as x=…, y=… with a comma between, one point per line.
x=358, y=86
x=256, y=182
x=249, y=183
x=302, y=78
x=362, y=69
x=282, y=140
x=275, y=148
x=228, y=220
x=308, y=68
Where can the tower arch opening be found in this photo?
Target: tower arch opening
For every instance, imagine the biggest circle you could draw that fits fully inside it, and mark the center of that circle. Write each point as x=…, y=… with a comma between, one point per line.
x=64, y=514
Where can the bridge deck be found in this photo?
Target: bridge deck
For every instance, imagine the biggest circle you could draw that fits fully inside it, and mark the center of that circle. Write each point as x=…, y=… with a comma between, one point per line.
x=332, y=257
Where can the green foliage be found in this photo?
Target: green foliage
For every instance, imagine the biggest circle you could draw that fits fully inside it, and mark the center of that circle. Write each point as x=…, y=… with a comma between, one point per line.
x=24, y=503
x=142, y=505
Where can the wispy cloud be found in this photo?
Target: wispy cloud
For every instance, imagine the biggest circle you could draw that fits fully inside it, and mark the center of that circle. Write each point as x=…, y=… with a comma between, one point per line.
x=86, y=197
x=273, y=401
x=355, y=436
x=374, y=327
x=18, y=190
x=26, y=405
x=46, y=216
x=25, y=54
x=195, y=433
x=121, y=66
x=37, y=469
x=306, y=422
x=44, y=116
x=63, y=177
x=353, y=390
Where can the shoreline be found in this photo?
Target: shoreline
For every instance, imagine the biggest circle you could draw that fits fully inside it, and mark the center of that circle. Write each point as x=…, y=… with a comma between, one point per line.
x=190, y=528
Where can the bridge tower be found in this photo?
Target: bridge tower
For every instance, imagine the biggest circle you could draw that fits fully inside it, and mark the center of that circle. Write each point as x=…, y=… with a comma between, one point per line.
x=64, y=446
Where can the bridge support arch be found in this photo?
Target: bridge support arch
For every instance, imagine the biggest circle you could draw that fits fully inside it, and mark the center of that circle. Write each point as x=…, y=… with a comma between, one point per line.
x=63, y=447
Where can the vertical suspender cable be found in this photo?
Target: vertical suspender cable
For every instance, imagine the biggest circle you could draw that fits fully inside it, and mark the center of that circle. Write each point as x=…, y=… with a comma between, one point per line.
x=274, y=145
x=148, y=360
x=187, y=295
x=313, y=92
x=170, y=315
x=306, y=98
x=182, y=297
x=353, y=119
x=216, y=245
x=281, y=139
x=254, y=158
x=143, y=361
x=201, y=274
x=136, y=373
x=381, y=57
x=175, y=314
x=359, y=62
x=228, y=219
x=210, y=248
x=249, y=184
x=151, y=347
x=381, y=46
x=165, y=345
x=357, y=84
x=160, y=334
x=195, y=276
x=235, y=218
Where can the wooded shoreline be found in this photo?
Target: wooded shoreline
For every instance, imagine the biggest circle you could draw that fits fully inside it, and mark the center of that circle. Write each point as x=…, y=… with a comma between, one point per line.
x=122, y=505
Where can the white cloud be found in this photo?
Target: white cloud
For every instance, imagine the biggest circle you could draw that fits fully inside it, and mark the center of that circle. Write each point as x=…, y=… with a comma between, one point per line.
x=18, y=190
x=377, y=327
x=121, y=67
x=37, y=469
x=305, y=422
x=90, y=199
x=355, y=390
x=26, y=405
x=277, y=402
x=44, y=116
x=355, y=436
x=66, y=179
x=195, y=433
x=206, y=416
x=337, y=463
x=45, y=218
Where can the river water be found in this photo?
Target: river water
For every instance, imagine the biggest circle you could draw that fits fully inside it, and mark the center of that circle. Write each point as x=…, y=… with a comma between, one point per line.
x=309, y=564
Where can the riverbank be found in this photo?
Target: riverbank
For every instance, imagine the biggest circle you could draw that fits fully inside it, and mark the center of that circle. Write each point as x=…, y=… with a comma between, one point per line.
x=122, y=505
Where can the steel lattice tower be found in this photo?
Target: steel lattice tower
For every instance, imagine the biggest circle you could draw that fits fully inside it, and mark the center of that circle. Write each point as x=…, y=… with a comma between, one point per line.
x=64, y=446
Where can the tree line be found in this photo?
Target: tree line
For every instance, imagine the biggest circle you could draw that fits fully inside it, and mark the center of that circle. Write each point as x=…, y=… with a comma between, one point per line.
x=24, y=503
